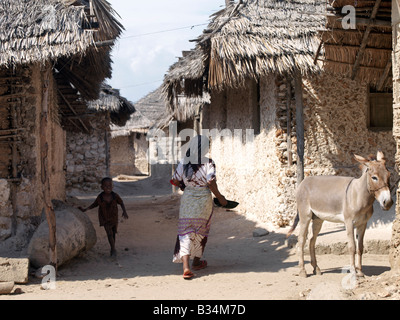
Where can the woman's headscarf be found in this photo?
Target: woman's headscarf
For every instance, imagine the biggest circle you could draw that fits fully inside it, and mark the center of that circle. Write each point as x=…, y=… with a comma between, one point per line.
x=195, y=155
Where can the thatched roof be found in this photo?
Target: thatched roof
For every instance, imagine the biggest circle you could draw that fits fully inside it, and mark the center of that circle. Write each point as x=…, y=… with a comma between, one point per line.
x=150, y=110
x=74, y=35
x=41, y=30
x=111, y=101
x=248, y=39
x=365, y=52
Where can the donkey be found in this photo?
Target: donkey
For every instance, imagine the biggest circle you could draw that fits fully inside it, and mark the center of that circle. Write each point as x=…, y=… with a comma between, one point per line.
x=341, y=199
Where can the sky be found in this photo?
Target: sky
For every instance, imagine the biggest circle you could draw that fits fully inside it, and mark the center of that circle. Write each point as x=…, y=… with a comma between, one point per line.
x=147, y=47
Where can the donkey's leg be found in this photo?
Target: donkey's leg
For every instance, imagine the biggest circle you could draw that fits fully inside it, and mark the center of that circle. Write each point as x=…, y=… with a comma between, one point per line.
x=305, y=219
x=316, y=228
x=360, y=248
x=351, y=244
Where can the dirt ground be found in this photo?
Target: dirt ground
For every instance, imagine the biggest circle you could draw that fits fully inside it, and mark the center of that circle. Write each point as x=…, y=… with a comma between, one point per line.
x=240, y=266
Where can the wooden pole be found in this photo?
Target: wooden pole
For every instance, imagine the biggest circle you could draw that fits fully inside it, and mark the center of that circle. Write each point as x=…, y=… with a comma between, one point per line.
x=44, y=174
x=15, y=158
x=364, y=40
x=298, y=92
x=289, y=122
x=107, y=143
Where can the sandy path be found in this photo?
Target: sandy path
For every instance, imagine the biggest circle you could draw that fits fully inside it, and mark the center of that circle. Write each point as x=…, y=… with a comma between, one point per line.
x=240, y=266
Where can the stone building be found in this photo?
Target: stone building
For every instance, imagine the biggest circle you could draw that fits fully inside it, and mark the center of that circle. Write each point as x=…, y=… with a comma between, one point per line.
x=129, y=143
x=283, y=99
x=395, y=249
x=136, y=148
x=90, y=155
x=52, y=60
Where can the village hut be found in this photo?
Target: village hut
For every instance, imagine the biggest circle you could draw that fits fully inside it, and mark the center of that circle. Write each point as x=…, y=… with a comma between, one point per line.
x=395, y=243
x=132, y=146
x=360, y=42
x=54, y=55
x=90, y=153
x=277, y=113
x=129, y=143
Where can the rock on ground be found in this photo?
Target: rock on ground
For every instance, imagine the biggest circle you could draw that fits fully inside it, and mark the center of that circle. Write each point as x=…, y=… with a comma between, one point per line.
x=14, y=269
x=6, y=287
x=75, y=234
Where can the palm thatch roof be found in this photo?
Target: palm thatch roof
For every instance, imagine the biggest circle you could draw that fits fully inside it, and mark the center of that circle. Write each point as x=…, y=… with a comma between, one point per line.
x=76, y=36
x=41, y=30
x=111, y=101
x=365, y=51
x=150, y=112
x=246, y=40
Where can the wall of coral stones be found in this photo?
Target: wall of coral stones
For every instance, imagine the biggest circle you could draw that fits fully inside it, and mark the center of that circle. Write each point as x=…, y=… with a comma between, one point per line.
x=394, y=255
x=257, y=171
x=88, y=155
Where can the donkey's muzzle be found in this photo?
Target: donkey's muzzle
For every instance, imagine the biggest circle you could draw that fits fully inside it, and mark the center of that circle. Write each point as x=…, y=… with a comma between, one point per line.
x=385, y=199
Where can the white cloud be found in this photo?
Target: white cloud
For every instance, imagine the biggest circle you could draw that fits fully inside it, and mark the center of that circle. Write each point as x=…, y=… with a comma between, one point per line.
x=140, y=58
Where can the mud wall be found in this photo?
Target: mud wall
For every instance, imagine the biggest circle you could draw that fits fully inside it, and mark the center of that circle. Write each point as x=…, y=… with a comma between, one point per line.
x=129, y=154
x=88, y=155
x=257, y=172
x=394, y=255
x=22, y=200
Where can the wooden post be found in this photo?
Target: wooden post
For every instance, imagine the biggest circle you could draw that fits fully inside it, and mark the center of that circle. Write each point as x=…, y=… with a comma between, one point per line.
x=15, y=158
x=298, y=93
x=44, y=174
x=289, y=122
x=364, y=40
x=107, y=143
x=173, y=131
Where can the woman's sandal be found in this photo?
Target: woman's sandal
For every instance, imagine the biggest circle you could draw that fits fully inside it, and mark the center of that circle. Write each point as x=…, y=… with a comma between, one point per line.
x=202, y=265
x=187, y=275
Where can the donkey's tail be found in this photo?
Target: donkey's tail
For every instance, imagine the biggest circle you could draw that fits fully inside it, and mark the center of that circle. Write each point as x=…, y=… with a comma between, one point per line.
x=296, y=221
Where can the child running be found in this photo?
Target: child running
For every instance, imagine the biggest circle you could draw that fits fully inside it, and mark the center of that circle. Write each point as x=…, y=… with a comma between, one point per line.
x=107, y=202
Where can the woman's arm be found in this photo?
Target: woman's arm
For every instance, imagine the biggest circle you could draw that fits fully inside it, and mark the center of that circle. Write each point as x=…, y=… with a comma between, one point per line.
x=212, y=184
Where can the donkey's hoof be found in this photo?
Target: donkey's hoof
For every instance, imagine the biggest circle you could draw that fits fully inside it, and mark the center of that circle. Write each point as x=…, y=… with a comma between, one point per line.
x=317, y=271
x=303, y=273
x=360, y=274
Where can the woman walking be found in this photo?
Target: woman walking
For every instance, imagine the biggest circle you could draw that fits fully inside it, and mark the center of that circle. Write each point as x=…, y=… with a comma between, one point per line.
x=195, y=175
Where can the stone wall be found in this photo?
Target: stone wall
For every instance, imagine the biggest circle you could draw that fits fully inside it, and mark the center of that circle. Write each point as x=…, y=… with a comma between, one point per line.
x=129, y=154
x=394, y=255
x=335, y=113
x=247, y=165
x=21, y=202
x=88, y=155
x=256, y=172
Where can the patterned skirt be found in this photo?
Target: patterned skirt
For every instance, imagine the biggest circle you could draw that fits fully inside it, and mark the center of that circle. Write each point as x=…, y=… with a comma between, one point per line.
x=195, y=214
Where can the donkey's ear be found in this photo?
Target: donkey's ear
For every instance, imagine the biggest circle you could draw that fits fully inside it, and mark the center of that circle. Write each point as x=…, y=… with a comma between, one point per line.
x=361, y=160
x=380, y=156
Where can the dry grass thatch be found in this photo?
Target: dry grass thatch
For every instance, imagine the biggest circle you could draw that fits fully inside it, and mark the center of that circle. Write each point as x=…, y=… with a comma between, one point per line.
x=110, y=100
x=248, y=39
x=342, y=46
x=258, y=37
x=36, y=31
x=41, y=30
x=150, y=112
